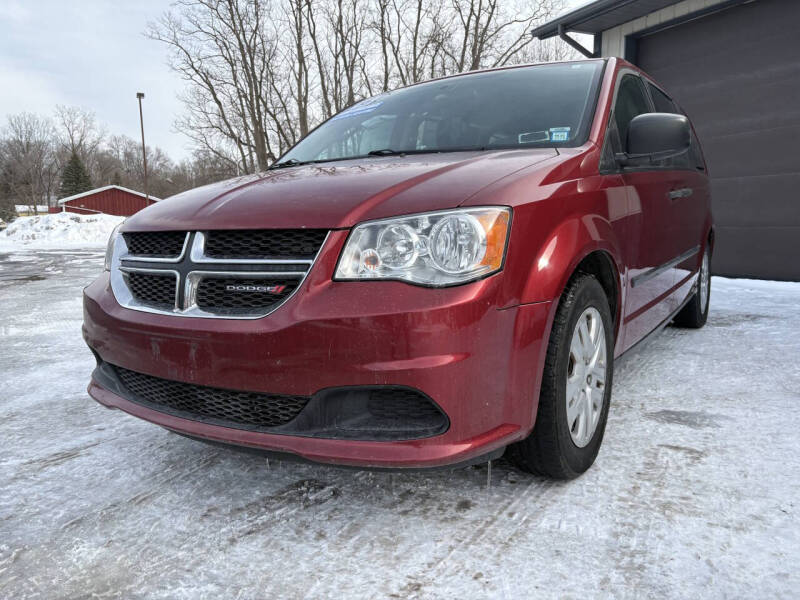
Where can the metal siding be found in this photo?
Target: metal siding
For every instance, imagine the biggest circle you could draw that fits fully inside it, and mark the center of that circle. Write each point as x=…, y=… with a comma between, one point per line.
x=111, y=202
x=737, y=75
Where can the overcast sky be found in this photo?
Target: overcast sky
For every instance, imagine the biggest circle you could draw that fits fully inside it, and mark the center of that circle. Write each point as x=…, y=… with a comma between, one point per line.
x=91, y=53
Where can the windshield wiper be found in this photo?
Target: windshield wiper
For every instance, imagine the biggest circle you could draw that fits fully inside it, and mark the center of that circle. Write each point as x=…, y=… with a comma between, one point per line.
x=292, y=162
x=390, y=152
x=386, y=152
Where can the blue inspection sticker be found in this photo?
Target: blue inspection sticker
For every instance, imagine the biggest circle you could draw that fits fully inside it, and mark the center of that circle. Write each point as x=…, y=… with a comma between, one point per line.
x=559, y=134
x=362, y=108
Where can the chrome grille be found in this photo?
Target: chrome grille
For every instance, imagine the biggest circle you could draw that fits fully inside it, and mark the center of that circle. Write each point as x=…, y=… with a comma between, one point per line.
x=243, y=280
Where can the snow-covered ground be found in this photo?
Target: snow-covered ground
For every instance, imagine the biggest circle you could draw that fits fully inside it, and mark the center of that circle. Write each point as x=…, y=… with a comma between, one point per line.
x=58, y=231
x=694, y=493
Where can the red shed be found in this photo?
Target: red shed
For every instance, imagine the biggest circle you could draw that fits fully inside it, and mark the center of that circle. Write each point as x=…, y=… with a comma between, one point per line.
x=111, y=200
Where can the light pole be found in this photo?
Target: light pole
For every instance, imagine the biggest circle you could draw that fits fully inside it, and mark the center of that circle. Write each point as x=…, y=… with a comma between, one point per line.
x=140, y=96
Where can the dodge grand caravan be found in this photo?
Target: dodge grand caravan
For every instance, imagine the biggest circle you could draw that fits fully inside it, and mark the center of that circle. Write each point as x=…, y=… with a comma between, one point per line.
x=431, y=277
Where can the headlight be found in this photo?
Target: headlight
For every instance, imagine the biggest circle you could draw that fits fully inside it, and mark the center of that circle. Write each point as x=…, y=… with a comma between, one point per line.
x=112, y=242
x=434, y=249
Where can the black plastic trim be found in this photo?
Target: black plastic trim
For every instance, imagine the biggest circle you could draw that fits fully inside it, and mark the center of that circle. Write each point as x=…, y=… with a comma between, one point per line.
x=331, y=413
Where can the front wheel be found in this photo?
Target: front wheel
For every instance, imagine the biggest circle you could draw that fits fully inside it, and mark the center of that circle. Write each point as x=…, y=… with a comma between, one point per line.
x=695, y=314
x=576, y=385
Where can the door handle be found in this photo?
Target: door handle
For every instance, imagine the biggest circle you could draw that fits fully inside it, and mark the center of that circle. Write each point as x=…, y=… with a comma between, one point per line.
x=680, y=193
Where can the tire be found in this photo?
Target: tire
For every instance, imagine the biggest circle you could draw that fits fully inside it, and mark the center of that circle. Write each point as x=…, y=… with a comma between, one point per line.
x=695, y=314
x=556, y=447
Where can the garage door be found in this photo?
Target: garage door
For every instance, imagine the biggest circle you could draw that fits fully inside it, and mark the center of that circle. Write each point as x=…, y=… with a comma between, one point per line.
x=736, y=72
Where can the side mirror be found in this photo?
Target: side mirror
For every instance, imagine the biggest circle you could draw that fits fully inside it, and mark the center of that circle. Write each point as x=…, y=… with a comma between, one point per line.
x=656, y=136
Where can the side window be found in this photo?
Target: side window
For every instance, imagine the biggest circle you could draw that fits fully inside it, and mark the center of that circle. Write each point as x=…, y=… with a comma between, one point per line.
x=661, y=101
x=631, y=102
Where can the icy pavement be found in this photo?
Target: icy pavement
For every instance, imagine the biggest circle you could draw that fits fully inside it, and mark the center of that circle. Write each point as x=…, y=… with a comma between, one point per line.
x=694, y=493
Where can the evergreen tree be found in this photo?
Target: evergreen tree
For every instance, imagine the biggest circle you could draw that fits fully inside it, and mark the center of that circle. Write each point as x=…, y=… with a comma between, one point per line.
x=74, y=179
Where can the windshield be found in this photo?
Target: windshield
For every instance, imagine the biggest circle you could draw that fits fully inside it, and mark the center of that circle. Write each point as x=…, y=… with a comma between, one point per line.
x=541, y=105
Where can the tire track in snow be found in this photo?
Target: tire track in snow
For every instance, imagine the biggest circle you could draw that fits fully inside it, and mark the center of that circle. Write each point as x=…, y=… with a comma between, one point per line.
x=545, y=492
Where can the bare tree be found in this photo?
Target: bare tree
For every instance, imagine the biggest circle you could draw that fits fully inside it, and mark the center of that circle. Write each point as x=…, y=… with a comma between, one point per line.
x=491, y=33
x=299, y=14
x=349, y=46
x=121, y=162
x=224, y=51
x=78, y=131
x=30, y=170
x=262, y=73
x=412, y=37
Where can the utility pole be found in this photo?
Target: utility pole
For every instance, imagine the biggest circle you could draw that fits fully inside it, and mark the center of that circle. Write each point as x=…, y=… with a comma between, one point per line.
x=140, y=96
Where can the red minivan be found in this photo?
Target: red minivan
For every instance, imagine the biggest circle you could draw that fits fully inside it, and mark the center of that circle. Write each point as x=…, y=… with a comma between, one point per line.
x=430, y=277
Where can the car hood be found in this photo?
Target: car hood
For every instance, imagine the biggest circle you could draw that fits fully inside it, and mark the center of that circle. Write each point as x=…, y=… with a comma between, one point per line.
x=336, y=194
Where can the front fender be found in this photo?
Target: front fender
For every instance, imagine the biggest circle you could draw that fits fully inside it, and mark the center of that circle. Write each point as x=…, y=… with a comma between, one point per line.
x=563, y=250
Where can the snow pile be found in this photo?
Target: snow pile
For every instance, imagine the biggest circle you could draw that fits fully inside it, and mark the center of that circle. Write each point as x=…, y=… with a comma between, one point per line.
x=58, y=230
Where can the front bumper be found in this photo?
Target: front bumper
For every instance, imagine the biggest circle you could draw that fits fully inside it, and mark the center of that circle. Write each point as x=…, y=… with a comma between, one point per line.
x=480, y=364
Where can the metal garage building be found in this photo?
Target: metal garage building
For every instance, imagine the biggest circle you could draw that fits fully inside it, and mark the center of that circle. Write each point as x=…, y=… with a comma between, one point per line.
x=111, y=200
x=734, y=66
